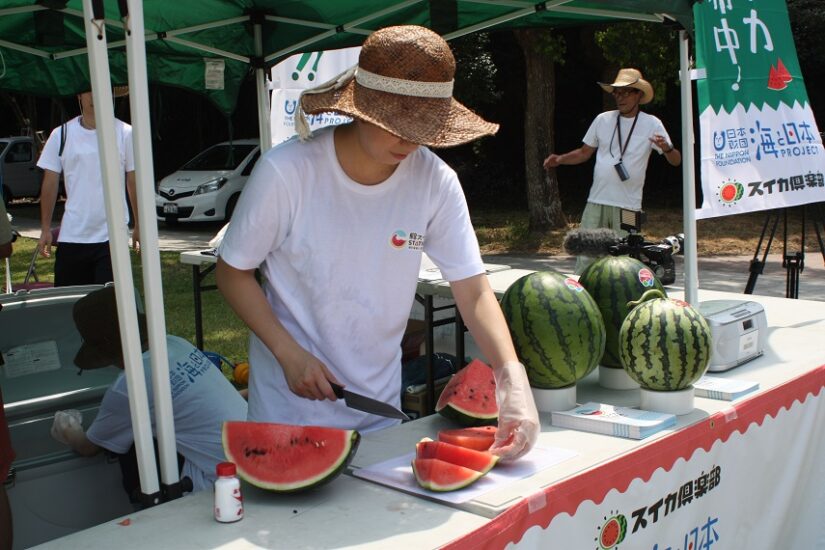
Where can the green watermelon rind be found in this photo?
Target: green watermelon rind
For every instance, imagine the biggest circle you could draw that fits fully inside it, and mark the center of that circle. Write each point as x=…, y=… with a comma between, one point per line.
x=334, y=469
x=471, y=477
x=558, y=332
x=670, y=359
x=448, y=406
x=613, y=281
x=466, y=417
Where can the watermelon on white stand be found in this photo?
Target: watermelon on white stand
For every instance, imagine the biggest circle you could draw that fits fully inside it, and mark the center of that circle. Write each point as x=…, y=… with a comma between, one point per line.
x=558, y=332
x=665, y=346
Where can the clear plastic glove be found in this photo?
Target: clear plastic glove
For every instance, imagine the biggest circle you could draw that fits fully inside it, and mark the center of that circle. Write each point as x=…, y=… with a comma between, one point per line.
x=518, y=419
x=66, y=423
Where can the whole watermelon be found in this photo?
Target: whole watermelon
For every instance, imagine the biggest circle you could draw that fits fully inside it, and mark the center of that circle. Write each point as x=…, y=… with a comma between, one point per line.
x=613, y=281
x=556, y=327
x=664, y=344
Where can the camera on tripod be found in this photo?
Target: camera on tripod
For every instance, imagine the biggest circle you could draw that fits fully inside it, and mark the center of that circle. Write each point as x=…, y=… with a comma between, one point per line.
x=657, y=256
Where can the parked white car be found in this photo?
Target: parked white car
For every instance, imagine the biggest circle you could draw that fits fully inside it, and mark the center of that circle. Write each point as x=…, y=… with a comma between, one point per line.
x=207, y=187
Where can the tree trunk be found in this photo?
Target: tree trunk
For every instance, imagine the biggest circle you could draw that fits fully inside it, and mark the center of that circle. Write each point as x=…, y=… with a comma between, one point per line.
x=543, y=199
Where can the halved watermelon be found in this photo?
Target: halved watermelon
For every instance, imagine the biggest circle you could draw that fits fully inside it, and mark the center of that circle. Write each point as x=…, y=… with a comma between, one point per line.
x=479, y=438
x=469, y=398
x=480, y=461
x=286, y=458
x=439, y=475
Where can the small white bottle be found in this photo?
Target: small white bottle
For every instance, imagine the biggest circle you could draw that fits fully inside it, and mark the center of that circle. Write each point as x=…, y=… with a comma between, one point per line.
x=228, y=498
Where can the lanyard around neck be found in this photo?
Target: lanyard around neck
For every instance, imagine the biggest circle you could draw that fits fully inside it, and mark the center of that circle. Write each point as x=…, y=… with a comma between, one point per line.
x=623, y=148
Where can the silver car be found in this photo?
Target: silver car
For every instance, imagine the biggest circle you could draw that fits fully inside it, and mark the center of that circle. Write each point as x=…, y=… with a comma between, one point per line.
x=19, y=174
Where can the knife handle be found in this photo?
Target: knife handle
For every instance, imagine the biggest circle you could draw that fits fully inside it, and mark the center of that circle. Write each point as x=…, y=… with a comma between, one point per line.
x=339, y=390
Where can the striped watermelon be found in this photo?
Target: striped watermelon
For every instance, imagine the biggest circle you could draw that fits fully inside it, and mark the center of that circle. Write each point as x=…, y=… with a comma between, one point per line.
x=664, y=344
x=613, y=281
x=556, y=327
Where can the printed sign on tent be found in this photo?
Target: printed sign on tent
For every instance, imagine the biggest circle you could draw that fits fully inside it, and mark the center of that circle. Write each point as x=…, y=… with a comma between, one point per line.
x=760, y=146
x=295, y=74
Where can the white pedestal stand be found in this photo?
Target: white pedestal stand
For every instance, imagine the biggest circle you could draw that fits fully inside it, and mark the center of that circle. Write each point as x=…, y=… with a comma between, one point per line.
x=613, y=378
x=674, y=402
x=557, y=399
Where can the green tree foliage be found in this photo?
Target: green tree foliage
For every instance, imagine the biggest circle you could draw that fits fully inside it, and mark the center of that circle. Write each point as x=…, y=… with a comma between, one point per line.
x=652, y=48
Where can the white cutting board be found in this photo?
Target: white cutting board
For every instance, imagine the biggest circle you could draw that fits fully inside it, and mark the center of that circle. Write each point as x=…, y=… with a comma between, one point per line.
x=397, y=473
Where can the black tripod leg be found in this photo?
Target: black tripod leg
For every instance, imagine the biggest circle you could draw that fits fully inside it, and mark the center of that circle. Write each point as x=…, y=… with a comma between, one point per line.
x=757, y=265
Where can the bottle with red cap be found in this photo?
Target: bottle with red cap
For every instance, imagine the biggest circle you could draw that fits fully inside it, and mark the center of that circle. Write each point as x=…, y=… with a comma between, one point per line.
x=228, y=498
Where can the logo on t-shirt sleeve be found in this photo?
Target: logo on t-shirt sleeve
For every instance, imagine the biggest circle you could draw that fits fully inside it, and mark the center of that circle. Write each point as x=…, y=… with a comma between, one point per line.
x=401, y=240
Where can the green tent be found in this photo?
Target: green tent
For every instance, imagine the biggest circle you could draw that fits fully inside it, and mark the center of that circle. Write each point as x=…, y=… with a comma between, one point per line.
x=43, y=44
x=61, y=47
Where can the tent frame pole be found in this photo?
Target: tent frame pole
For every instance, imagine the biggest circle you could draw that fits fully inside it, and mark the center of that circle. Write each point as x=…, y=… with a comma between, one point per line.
x=688, y=173
x=150, y=254
x=119, y=248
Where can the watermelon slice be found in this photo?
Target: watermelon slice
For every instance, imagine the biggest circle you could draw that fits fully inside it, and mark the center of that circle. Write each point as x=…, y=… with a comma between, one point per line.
x=479, y=438
x=775, y=81
x=439, y=475
x=782, y=71
x=285, y=458
x=480, y=461
x=469, y=398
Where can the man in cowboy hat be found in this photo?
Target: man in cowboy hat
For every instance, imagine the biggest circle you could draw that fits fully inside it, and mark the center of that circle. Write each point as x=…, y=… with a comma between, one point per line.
x=202, y=398
x=83, y=255
x=623, y=140
x=338, y=225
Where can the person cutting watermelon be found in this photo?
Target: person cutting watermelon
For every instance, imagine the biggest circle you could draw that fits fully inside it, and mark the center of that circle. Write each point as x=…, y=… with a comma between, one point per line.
x=338, y=224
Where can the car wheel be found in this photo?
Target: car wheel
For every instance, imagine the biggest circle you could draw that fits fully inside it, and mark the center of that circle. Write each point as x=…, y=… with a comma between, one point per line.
x=230, y=207
x=7, y=196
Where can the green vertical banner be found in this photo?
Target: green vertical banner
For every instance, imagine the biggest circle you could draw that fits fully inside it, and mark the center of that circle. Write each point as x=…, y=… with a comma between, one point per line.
x=760, y=146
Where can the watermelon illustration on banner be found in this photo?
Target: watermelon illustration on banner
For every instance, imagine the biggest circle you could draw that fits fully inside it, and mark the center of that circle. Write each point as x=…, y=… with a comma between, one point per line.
x=760, y=145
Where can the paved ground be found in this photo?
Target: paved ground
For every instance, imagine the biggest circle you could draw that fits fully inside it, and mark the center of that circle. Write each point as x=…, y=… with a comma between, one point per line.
x=728, y=273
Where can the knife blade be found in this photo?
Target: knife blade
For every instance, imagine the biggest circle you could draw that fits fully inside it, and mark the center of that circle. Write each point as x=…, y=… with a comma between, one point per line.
x=367, y=404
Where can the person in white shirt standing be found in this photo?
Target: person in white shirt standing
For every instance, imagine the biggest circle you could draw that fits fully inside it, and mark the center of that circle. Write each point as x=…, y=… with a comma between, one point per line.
x=83, y=254
x=622, y=140
x=338, y=226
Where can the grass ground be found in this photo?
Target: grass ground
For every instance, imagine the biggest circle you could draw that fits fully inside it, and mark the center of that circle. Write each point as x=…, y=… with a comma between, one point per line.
x=498, y=232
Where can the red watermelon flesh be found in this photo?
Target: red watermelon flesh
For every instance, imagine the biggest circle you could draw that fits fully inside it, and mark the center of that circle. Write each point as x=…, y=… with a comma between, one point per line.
x=479, y=438
x=439, y=475
x=469, y=398
x=286, y=458
x=480, y=461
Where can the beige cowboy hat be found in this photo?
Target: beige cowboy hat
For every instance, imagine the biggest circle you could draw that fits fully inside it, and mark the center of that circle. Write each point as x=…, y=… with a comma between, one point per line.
x=403, y=83
x=630, y=78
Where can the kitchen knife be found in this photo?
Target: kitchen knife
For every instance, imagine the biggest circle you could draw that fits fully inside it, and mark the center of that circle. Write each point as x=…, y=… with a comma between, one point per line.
x=367, y=404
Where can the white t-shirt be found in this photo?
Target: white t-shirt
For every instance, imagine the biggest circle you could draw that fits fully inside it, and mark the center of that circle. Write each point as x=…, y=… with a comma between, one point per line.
x=202, y=399
x=341, y=263
x=84, y=216
x=608, y=188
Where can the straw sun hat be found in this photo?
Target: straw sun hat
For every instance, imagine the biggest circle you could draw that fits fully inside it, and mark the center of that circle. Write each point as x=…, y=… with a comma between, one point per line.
x=403, y=83
x=631, y=78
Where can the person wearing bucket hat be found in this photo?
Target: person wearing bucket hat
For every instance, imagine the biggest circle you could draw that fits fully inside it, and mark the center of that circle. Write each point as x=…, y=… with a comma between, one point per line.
x=202, y=398
x=83, y=255
x=338, y=221
x=622, y=139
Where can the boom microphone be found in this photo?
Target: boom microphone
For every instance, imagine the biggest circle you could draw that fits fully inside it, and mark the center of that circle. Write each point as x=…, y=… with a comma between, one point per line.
x=590, y=242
